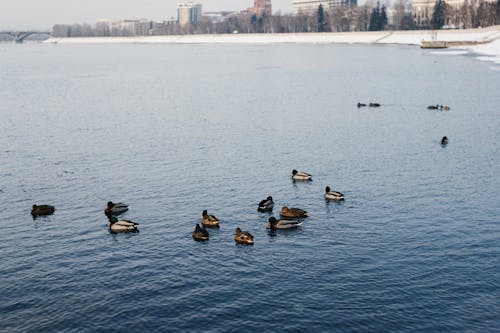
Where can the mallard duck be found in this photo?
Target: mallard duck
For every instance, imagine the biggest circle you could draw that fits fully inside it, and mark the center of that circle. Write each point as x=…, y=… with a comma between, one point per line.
x=361, y=105
x=274, y=224
x=374, y=105
x=209, y=220
x=266, y=205
x=200, y=234
x=433, y=107
x=42, y=210
x=243, y=237
x=445, y=107
x=296, y=175
x=333, y=195
x=115, y=208
x=122, y=225
x=293, y=213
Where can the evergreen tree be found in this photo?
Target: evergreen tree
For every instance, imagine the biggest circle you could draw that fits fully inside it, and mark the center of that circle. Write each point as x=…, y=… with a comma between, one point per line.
x=437, y=20
x=498, y=11
x=321, y=19
x=375, y=18
x=383, y=18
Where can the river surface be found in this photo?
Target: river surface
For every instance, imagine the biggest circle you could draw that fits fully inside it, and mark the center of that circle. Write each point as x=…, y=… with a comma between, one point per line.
x=176, y=129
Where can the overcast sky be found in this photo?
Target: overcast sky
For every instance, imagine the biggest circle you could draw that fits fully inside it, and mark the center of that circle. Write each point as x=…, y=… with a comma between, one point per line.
x=43, y=14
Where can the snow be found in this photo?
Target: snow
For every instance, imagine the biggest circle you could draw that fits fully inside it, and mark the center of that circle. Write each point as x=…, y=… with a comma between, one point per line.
x=489, y=51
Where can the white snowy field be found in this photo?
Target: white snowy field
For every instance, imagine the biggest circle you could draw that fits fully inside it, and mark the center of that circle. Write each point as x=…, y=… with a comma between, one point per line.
x=490, y=34
x=489, y=52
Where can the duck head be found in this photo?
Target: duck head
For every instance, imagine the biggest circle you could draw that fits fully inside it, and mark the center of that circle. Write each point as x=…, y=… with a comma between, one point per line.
x=272, y=222
x=270, y=198
x=294, y=172
x=204, y=213
x=110, y=204
x=327, y=189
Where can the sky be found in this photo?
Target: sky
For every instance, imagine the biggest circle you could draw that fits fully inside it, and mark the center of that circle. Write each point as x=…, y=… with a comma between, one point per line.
x=43, y=14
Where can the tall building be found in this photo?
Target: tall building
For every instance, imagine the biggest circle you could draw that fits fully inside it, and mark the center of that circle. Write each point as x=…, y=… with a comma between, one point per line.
x=308, y=6
x=188, y=12
x=261, y=7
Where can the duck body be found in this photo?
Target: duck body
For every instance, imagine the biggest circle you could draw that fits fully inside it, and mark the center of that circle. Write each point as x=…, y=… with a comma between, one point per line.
x=115, y=208
x=122, y=225
x=266, y=205
x=296, y=175
x=333, y=195
x=293, y=213
x=374, y=105
x=200, y=234
x=243, y=237
x=274, y=224
x=209, y=221
x=433, y=107
x=40, y=210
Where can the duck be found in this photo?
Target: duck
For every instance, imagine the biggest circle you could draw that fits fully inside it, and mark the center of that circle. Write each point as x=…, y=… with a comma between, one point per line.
x=293, y=213
x=122, y=225
x=266, y=205
x=200, y=234
x=209, y=220
x=444, y=141
x=274, y=224
x=243, y=237
x=361, y=105
x=445, y=107
x=296, y=175
x=374, y=105
x=40, y=210
x=433, y=107
x=115, y=208
x=333, y=195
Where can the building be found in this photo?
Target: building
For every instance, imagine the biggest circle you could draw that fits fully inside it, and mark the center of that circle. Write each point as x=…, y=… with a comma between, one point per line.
x=308, y=6
x=188, y=12
x=261, y=7
x=218, y=17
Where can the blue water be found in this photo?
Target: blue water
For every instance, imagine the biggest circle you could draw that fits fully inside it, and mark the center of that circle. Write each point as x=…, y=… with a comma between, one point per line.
x=172, y=130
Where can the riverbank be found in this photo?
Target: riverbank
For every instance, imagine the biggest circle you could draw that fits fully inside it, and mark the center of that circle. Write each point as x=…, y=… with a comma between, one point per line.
x=485, y=41
x=414, y=37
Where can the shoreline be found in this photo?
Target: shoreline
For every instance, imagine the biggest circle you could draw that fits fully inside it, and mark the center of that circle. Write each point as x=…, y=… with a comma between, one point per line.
x=411, y=37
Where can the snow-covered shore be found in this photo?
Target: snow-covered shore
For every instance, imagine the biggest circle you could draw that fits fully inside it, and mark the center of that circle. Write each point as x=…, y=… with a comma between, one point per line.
x=415, y=37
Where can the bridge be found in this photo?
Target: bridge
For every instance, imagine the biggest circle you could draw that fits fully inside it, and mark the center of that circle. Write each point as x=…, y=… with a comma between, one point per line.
x=19, y=36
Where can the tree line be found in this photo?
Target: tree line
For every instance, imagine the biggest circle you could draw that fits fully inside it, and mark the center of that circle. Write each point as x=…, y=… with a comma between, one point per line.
x=472, y=14
x=365, y=17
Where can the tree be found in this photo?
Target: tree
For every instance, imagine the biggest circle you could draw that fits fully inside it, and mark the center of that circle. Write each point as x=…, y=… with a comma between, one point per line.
x=321, y=19
x=375, y=18
x=486, y=14
x=382, y=23
x=437, y=20
x=498, y=11
x=408, y=23
x=465, y=15
x=378, y=18
x=399, y=13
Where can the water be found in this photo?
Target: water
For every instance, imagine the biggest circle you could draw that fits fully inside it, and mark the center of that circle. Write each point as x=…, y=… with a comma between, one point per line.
x=173, y=130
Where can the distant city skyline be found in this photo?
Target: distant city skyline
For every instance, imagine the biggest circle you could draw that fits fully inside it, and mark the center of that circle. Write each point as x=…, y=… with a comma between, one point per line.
x=42, y=15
